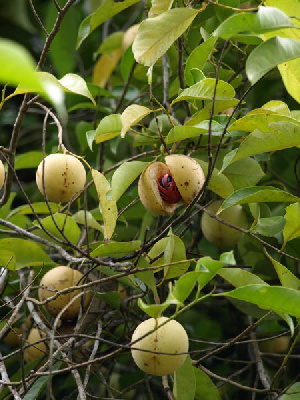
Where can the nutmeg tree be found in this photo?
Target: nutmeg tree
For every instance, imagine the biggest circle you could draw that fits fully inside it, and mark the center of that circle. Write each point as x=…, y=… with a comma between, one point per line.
x=149, y=203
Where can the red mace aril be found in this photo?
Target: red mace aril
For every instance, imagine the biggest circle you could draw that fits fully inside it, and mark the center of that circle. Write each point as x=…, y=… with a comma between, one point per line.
x=168, y=189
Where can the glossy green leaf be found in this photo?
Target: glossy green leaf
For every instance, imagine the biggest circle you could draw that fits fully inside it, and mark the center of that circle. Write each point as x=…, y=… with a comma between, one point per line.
x=154, y=310
x=36, y=388
x=184, y=381
x=185, y=284
x=205, y=389
x=208, y=268
x=204, y=90
x=8, y=259
x=271, y=226
x=39, y=208
x=187, y=132
x=292, y=227
x=265, y=20
x=108, y=128
x=275, y=298
x=269, y=54
x=218, y=183
x=258, y=194
x=286, y=277
x=116, y=249
x=64, y=223
x=86, y=218
x=174, y=252
x=198, y=58
x=30, y=159
x=238, y=277
x=292, y=393
x=108, y=207
x=124, y=176
x=111, y=298
x=281, y=135
x=147, y=276
x=156, y=35
x=111, y=43
x=158, y=7
x=244, y=173
x=75, y=84
x=106, y=10
x=26, y=253
x=277, y=106
x=132, y=115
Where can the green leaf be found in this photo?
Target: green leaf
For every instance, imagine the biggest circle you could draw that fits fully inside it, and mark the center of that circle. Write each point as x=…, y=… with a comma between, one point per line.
x=108, y=207
x=65, y=223
x=270, y=226
x=39, y=208
x=7, y=259
x=244, y=173
x=258, y=194
x=238, y=277
x=204, y=90
x=184, y=381
x=275, y=298
x=111, y=43
x=198, y=58
x=204, y=113
x=132, y=115
x=154, y=310
x=82, y=217
x=185, y=284
x=26, y=253
x=265, y=20
x=108, y=128
x=156, y=35
x=36, y=388
x=269, y=54
x=75, y=84
x=218, y=183
x=208, y=268
x=159, y=6
x=292, y=393
x=124, y=176
x=174, y=252
x=116, y=249
x=106, y=10
x=205, y=389
x=286, y=277
x=186, y=132
x=31, y=159
x=146, y=276
x=292, y=226
x=111, y=298
x=283, y=135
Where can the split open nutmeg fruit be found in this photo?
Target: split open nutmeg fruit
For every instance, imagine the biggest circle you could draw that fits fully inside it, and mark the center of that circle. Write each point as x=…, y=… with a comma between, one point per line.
x=162, y=185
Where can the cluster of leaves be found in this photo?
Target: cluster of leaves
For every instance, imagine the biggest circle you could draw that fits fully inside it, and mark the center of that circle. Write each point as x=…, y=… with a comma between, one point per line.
x=218, y=81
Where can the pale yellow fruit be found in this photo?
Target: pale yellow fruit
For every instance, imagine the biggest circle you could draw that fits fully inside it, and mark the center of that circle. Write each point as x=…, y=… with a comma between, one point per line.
x=277, y=345
x=170, y=338
x=2, y=174
x=60, y=278
x=37, y=350
x=187, y=174
x=64, y=176
x=129, y=36
x=12, y=338
x=220, y=234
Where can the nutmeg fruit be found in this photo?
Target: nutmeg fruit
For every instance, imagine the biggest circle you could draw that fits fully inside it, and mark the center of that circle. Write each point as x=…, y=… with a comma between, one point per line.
x=170, y=338
x=220, y=234
x=159, y=183
x=2, y=174
x=64, y=176
x=37, y=350
x=60, y=278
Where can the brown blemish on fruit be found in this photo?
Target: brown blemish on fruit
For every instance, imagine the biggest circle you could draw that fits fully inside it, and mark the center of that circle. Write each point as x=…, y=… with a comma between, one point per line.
x=186, y=183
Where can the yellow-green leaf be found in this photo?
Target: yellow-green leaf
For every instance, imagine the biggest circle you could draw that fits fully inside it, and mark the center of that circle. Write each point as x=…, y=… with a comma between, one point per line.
x=159, y=6
x=132, y=115
x=108, y=207
x=156, y=35
x=105, y=67
x=292, y=226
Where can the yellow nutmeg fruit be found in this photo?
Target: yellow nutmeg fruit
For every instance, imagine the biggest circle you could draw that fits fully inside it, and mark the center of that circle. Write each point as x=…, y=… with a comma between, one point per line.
x=170, y=338
x=64, y=176
x=60, y=278
x=2, y=174
x=220, y=234
x=162, y=185
x=37, y=350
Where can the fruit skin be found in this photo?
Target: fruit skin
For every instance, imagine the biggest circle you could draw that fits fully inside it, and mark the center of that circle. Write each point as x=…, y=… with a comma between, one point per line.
x=219, y=234
x=11, y=339
x=59, y=278
x=2, y=174
x=64, y=176
x=170, y=338
x=277, y=345
x=186, y=173
x=38, y=350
